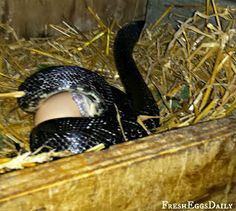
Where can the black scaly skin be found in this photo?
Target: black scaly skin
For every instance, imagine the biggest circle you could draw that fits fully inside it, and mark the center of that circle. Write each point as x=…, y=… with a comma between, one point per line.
x=80, y=134
x=51, y=80
x=137, y=91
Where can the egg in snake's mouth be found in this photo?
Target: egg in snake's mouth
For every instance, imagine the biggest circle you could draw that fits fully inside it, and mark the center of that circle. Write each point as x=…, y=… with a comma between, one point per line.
x=97, y=101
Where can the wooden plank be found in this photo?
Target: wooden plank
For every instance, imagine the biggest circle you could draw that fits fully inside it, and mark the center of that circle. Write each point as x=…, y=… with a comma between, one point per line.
x=37, y=15
x=179, y=165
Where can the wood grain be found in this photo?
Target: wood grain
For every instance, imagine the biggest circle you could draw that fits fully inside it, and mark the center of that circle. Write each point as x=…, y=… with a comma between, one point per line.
x=31, y=18
x=179, y=165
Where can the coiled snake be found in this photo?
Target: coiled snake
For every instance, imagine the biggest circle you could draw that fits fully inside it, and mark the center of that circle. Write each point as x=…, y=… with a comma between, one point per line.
x=78, y=134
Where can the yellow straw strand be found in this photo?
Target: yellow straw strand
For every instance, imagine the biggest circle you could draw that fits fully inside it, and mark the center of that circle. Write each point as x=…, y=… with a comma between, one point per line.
x=16, y=94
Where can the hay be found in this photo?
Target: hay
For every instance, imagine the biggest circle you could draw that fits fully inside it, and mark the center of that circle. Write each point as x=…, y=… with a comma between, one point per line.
x=191, y=71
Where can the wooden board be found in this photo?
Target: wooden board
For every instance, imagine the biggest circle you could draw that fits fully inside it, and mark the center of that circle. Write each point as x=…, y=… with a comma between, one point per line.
x=32, y=18
x=39, y=14
x=192, y=163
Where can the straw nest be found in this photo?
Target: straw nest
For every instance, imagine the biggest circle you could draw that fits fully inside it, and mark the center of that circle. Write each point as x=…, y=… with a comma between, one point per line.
x=190, y=70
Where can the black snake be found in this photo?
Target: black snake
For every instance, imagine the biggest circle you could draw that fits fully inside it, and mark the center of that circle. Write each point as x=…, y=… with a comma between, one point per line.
x=78, y=134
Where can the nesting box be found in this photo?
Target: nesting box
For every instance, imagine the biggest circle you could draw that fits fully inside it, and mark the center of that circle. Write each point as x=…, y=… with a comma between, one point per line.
x=186, y=168
x=195, y=163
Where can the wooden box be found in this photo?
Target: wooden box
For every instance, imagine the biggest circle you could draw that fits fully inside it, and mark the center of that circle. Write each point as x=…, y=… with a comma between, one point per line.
x=193, y=164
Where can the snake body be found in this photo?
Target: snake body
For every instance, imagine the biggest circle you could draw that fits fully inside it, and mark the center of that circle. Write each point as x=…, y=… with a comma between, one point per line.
x=78, y=134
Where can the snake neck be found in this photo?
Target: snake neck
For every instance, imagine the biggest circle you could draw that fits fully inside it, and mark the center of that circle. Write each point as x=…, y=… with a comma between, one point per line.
x=135, y=87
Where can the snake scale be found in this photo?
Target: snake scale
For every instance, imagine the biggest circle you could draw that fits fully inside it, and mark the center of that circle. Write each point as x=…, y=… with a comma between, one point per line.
x=77, y=134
